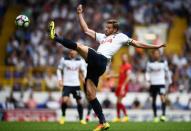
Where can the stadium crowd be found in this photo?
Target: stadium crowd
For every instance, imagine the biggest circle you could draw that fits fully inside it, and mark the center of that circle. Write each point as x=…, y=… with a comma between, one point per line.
x=31, y=47
x=3, y=7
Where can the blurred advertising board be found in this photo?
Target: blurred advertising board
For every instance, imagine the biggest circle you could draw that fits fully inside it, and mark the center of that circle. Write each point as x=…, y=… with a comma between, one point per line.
x=30, y=115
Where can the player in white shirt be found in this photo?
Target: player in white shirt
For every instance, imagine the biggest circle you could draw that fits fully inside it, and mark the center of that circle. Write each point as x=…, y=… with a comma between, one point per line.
x=110, y=43
x=158, y=75
x=70, y=70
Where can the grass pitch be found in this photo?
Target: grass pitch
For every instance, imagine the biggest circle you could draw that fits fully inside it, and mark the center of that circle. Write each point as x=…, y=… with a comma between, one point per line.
x=74, y=126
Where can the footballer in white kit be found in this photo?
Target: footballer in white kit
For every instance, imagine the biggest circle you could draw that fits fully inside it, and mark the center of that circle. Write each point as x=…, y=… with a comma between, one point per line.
x=110, y=42
x=70, y=69
x=158, y=75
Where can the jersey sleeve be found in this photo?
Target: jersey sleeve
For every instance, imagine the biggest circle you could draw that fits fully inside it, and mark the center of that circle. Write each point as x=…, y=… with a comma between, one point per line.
x=61, y=63
x=99, y=37
x=125, y=39
x=59, y=74
x=166, y=65
x=147, y=74
x=167, y=71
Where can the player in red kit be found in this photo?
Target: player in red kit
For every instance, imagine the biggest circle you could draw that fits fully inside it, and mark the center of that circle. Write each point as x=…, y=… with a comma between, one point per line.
x=122, y=88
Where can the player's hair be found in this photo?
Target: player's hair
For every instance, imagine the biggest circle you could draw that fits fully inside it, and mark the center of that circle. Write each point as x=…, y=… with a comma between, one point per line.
x=114, y=23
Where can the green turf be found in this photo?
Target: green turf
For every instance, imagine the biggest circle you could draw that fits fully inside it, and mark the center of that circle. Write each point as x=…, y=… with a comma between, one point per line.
x=73, y=126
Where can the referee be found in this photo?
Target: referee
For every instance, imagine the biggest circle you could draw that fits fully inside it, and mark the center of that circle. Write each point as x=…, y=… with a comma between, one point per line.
x=158, y=76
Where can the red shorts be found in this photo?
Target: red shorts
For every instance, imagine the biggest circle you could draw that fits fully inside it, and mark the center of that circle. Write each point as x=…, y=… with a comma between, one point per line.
x=121, y=93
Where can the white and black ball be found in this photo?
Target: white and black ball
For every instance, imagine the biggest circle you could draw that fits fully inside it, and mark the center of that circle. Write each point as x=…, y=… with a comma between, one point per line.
x=22, y=21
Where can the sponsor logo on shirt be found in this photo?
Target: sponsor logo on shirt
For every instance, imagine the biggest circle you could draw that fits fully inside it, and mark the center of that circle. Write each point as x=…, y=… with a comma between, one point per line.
x=72, y=68
x=106, y=41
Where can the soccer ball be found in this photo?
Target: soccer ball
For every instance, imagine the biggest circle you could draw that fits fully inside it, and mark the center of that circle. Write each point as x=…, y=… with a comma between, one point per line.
x=22, y=21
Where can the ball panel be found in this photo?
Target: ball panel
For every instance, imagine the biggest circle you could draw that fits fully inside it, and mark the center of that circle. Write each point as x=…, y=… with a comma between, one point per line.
x=26, y=23
x=22, y=21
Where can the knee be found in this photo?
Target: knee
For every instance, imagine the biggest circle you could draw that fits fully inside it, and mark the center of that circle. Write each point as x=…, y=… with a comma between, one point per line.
x=163, y=100
x=64, y=100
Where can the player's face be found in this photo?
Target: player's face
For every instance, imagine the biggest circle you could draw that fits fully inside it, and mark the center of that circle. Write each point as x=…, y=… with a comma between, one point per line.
x=109, y=29
x=124, y=58
x=156, y=55
x=73, y=54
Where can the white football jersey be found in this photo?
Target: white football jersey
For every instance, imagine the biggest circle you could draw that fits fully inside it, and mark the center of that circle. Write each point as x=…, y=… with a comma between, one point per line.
x=71, y=68
x=157, y=73
x=109, y=45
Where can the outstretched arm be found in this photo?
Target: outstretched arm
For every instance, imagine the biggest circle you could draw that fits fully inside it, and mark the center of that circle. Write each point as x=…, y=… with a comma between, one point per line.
x=83, y=23
x=145, y=45
x=59, y=77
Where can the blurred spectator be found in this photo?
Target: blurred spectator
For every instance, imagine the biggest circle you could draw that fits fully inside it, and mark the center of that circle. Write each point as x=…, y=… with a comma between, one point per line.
x=51, y=81
x=31, y=103
x=188, y=106
x=37, y=77
x=141, y=80
x=20, y=102
x=51, y=103
x=1, y=115
x=29, y=81
x=134, y=86
x=188, y=71
x=177, y=105
x=10, y=102
x=3, y=6
x=147, y=104
x=188, y=38
x=136, y=104
x=108, y=81
x=179, y=60
x=107, y=103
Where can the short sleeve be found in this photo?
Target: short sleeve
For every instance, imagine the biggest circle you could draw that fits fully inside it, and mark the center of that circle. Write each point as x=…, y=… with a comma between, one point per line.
x=125, y=39
x=148, y=67
x=166, y=65
x=147, y=74
x=99, y=37
x=61, y=63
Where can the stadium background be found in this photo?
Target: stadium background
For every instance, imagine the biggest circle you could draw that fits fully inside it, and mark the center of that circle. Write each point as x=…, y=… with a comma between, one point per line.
x=28, y=59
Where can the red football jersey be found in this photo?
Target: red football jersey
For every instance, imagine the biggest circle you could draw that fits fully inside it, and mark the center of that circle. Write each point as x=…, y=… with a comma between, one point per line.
x=122, y=77
x=123, y=73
